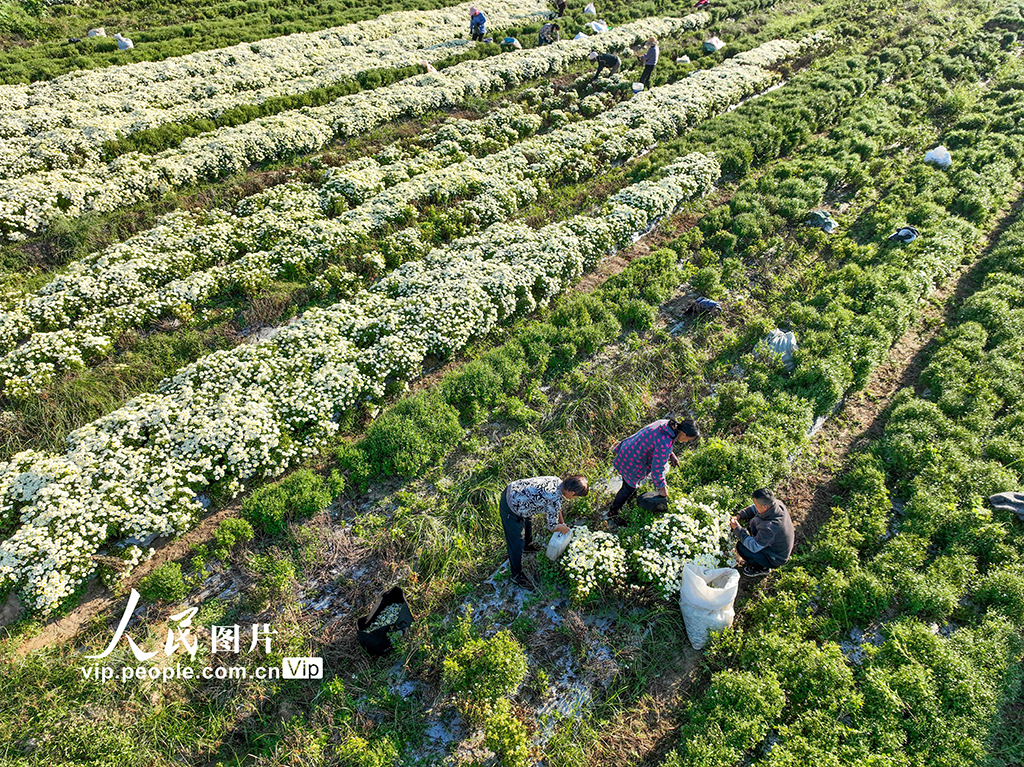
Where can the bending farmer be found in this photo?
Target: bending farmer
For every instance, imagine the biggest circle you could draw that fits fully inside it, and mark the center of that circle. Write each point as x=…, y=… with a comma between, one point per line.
x=605, y=60
x=526, y=497
x=647, y=452
x=769, y=541
x=477, y=24
x=649, y=59
x=548, y=34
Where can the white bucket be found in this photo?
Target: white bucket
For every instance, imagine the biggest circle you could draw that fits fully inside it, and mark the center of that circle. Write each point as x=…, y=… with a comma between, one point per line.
x=637, y=87
x=558, y=544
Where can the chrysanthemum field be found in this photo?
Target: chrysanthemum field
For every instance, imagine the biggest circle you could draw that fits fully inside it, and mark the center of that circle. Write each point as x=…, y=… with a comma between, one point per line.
x=290, y=293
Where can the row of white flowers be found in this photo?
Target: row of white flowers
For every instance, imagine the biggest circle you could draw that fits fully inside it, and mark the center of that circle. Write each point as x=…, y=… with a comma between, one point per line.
x=253, y=411
x=189, y=257
x=595, y=563
x=31, y=202
x=692, y=533
x=41, y=133
x=100, y=297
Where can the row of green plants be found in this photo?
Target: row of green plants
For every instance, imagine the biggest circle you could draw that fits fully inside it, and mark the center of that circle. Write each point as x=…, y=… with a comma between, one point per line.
x=912, y=552
x=159, y=30
x=928, y=689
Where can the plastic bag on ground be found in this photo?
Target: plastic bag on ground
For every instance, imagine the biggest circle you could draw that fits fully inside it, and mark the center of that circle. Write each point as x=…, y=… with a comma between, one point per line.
x=782, y=344
x=598, y=26
x=713, y=44
x=98, y=32
x=905, y=235
x=684, y=59
x=704, y=305
x=590, y=9
x=581, y=36
x=558, y=544
x=822, y=220
x=1010, y=501
x=706, y=601
x=939, y=156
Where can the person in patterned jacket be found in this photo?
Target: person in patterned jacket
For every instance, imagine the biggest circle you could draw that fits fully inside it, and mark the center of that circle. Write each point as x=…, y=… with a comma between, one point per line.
x=526, y=497
x=646, y=453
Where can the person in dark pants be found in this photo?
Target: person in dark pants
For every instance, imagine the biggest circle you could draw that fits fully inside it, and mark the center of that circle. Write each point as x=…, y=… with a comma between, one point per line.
x=769, y=541
x=560, y=8
x=608, y=61
x=523, y=498
x=649, y=59
x=477, y=24
x=646, y=453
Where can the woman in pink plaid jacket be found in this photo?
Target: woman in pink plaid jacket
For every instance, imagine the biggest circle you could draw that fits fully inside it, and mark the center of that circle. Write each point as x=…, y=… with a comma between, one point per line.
x=646, y=453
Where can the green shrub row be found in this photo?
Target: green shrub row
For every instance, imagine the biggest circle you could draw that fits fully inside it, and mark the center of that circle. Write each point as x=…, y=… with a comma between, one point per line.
x=298, y=496
x=935, y=576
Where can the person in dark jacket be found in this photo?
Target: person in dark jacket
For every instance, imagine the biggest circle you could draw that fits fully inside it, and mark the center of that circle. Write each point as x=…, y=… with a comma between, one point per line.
x=524, y=498
x=560, y=8
x=647, y=452
x=768, y=543
x=649, y=58
x=548, y=34
x=608, y=61
x=477, y=24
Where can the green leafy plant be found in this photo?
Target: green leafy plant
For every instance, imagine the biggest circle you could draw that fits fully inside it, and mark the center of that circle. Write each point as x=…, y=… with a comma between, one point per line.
x=505, y=735
x=274, y=578
x=165, y=584
x=300, y=495
x=230, y=533
x=478, y=672
x=357, y=751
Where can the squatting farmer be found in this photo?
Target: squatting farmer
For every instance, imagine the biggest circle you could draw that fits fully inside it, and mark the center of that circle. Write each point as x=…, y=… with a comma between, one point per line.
x=646, y=453
x=477, y=24
x=767, y=542
x=520, y=500
x=608, y=61
x=649, y=58
x=548, y=34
